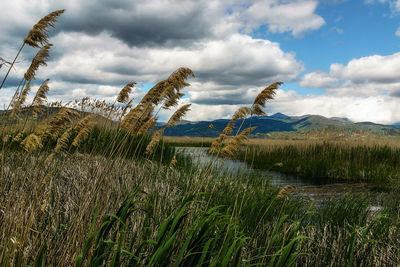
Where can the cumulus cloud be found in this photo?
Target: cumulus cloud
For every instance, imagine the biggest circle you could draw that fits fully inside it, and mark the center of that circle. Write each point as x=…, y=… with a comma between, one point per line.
x=318, y=79
x=225, y=72
x=379, y=108
x=294, y=16
x=370, y=75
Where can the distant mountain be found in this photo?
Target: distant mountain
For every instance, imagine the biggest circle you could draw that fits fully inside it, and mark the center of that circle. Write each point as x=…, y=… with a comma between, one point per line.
x=340, y=119
x=276, y=123
x=279, y=116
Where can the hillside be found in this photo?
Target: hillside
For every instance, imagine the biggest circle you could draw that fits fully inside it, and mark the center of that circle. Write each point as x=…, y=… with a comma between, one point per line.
x=277, y=123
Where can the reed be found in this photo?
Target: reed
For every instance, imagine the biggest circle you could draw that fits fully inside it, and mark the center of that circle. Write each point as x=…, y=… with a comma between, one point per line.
x=374, y=162
x=37, y=36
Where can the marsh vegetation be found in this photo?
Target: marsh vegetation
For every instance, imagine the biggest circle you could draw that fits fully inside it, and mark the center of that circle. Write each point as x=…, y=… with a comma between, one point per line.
x=90, y=183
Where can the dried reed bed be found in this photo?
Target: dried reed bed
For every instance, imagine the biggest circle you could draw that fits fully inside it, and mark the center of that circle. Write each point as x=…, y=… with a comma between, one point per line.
x=52, y=203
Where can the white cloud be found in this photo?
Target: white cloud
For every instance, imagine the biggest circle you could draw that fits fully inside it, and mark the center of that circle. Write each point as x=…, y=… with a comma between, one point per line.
x=318, y=79
x=379, y=108
x=224, y=69
x=372, y=75
x=293, y=16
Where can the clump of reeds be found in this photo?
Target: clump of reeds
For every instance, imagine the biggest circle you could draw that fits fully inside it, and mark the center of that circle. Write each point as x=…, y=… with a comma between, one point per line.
x=37, y=36
x=167, y=90
x=59, y=122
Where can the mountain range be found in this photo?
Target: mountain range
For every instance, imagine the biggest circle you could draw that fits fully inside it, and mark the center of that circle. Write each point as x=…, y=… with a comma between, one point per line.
x=277, y=122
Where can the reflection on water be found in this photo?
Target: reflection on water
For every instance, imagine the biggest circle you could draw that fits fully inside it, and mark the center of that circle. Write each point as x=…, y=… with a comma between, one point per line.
x=200, y=157
x=319, y=191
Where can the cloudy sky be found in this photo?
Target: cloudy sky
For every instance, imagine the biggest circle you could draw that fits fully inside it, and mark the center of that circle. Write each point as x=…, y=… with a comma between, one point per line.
x=336, y=57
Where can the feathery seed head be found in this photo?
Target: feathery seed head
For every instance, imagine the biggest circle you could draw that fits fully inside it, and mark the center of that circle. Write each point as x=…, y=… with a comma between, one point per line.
x=154, y=141
x=148, y=125
x=62, y=142
x=262, y=97
x=124, y=93
x=40, y=96
x=32, y=142
x=230, y=149
x=177, y=116
x=38, y=35
x=39, y=60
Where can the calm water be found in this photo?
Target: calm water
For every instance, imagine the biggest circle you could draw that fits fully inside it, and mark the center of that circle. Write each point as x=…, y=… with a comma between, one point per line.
x=328, y=189
x=200, y=156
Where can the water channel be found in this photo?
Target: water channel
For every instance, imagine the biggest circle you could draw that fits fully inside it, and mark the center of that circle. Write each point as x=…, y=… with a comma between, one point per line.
x=312, y=188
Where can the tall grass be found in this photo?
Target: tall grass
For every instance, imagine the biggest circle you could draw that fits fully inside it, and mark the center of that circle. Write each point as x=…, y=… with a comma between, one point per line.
x=378, y=164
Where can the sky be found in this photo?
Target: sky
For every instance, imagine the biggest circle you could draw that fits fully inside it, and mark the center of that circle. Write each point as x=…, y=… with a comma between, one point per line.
x=337, y=58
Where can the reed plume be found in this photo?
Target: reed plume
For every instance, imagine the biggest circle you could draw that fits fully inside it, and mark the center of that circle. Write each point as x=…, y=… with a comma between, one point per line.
x=124, y=93
x=168, y=88
x=148, y=125
x=174, y=159
x=285, y=191
x=83, y=133
x=39, y=34
x=59, y=122
x=177, y=116
x=19, y=101
x=83, y=122
x=32, y=142
x=262, y=97
x=241, y=113
x=137, y=118
x=40, y=96
x=62, y=142
x=216, y=145
x=154, y=141
x=231, y=147
x=39, y=60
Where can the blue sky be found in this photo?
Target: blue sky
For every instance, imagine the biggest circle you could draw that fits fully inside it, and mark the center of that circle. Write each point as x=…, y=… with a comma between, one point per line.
x=337, y=58
x=353, y=29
